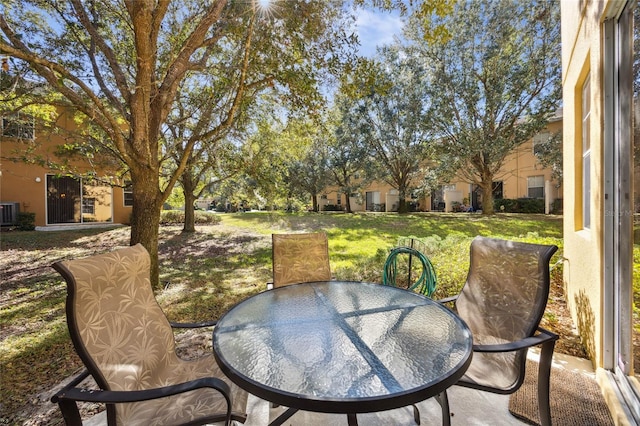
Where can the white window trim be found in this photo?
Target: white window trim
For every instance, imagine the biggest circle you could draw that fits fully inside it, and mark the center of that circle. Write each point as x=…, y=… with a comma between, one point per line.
x=586, y=151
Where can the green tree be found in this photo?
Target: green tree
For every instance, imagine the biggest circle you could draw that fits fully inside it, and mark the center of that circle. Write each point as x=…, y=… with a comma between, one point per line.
x=392, y=121
x=350, y=163
x=310, y=174
x=549, y=153
x=495, y=81
x=194, y=122
x=425, y=11
x=120, y=65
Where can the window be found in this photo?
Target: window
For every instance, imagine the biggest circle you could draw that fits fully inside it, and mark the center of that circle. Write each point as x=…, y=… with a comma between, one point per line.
x=497, y=189
x=541, y=137
x=586, y=153
x=535, y=187
x=338, y=199
x=127, y=191
x=77, y=200
x=20, y=126
x=88, y=205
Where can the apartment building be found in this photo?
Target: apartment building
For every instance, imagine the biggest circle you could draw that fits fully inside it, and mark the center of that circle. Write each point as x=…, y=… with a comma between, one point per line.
x=522, y=176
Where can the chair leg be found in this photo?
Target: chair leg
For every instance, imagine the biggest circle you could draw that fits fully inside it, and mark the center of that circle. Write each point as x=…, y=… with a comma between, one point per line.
x=443, y=400
x=544, y=374
x=416, y=414
x=70, y=412
x=284, y=417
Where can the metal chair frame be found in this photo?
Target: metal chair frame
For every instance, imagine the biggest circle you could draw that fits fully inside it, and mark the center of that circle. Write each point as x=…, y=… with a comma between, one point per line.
x=68, y=397
x=538, y=337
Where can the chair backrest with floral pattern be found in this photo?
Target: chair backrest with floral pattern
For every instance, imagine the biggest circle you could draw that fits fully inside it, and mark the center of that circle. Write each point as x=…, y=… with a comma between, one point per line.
x=299, y=258
x=503, y=301
x=116, y=325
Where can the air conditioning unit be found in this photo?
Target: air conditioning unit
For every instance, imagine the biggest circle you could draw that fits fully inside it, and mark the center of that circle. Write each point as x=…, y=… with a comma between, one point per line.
x=9, y=213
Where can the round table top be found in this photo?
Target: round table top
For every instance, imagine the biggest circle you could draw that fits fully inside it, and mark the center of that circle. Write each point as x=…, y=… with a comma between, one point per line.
x=342, y=347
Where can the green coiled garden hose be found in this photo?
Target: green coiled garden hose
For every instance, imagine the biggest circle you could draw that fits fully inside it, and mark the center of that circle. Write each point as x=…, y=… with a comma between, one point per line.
x=425, y=284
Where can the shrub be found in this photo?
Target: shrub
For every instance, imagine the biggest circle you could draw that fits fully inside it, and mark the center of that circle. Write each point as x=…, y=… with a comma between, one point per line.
x=176, y=217
x=556, y=206
x=332, y=208
x=207, y=218
x=26, y=221
x=520, y=205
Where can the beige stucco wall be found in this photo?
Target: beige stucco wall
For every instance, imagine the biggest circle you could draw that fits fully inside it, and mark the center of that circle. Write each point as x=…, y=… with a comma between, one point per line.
x=583, y=248
x=522, y=164
x=25, y=183
x=514, y=174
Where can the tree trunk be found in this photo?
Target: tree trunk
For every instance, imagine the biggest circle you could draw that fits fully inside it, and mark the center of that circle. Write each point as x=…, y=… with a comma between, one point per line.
x=347, y=204
x=315, y=202
x=145, y=218
x=487, y=196
x=189, y=203
x=402, y=201
x=189, y=212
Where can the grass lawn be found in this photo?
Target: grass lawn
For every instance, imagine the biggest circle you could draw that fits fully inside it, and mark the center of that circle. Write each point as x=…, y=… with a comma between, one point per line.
x=204, y=273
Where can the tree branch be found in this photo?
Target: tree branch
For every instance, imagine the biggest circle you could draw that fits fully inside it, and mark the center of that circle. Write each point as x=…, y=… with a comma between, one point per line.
x=109, y=55
x=55, y=74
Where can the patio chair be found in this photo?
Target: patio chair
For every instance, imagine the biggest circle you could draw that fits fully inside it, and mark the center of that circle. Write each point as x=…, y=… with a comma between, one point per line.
x=300, y=258
x=502, y=302
x=127, y=344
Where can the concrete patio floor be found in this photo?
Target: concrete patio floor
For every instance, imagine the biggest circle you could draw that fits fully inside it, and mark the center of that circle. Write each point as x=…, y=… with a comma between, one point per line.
x=468, y=406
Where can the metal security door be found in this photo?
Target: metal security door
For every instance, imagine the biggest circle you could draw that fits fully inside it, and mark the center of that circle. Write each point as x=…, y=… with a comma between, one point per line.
x=618, y=205
x=63, y=200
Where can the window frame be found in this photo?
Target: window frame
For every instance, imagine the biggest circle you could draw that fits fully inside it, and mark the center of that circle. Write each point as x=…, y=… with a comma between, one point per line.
x=127, y=194
x=21, y=129
x=585, y=126
x=530, y=186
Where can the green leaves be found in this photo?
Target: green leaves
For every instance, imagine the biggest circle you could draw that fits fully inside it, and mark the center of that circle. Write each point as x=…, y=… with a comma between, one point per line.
x=492, y=83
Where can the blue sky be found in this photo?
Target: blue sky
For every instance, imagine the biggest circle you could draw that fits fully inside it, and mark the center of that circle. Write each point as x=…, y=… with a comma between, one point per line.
x=376, y=28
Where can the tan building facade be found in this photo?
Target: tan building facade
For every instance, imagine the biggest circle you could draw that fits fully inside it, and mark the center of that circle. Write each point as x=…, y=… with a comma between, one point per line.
x=522, y=176
x=31, y=180
x=597, y=57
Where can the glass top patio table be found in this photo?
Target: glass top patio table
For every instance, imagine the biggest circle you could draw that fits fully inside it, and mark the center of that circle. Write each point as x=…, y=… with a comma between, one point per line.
x=342, y=347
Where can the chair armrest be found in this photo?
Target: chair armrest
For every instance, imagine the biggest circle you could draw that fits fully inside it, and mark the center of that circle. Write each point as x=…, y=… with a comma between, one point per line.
x=78, y=379
x=68, y=397
x=111, y=397
x=192, y=324
x=543, y=337
x=450, y=299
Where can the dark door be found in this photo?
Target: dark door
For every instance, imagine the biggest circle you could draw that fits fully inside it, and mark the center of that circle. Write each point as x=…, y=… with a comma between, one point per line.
x=63, y=200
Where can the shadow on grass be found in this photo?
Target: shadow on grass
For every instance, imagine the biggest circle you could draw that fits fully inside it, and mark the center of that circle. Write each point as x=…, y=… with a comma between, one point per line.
x=211, y=270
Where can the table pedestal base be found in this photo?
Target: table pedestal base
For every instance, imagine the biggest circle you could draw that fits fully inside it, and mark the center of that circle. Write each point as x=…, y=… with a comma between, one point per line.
x=352, y=420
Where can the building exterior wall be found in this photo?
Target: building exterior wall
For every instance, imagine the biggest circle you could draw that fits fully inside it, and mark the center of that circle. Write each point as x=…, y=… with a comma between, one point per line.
x=25, y=183
x=582, y=58
x=523, y=164
x=385, y=197
x=514, y=175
